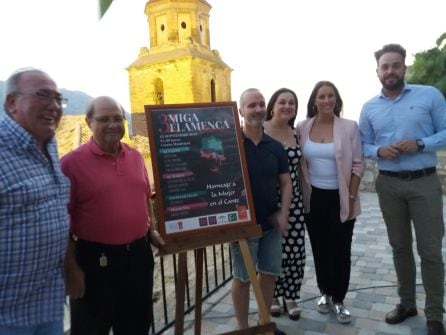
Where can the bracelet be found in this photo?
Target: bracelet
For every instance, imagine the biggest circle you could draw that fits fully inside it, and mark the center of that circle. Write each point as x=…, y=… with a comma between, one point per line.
x=353, y=197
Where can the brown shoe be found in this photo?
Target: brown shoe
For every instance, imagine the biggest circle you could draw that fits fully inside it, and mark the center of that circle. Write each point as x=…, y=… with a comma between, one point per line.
x=435, y=327
x=400, y=313
x=292, y=309
x=275, y=308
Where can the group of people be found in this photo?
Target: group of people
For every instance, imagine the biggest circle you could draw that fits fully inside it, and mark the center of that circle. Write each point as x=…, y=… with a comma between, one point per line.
x=402, y=128
x=66, y=227
x=80, y=226
x=316, y=170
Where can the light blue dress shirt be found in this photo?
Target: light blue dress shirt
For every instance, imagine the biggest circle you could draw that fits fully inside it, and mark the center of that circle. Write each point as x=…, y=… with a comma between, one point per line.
x=418, y=113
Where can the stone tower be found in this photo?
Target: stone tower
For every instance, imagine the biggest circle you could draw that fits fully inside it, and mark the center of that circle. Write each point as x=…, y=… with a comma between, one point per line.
x=180, y=66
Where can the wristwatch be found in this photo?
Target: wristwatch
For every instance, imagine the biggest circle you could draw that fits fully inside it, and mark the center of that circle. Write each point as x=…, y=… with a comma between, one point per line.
x=420, y=144
x=353, y=197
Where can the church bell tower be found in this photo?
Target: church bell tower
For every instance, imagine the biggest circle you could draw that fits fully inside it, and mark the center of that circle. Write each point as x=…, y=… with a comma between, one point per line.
x=180, y=66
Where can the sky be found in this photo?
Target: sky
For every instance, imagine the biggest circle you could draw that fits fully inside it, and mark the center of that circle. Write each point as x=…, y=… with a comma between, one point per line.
x=268, y=44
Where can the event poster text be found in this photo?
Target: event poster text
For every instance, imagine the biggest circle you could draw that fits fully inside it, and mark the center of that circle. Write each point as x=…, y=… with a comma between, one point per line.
x=199, y=167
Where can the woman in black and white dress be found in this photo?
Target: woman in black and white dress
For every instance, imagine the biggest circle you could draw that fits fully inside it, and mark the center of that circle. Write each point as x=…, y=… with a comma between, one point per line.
x=281, y=114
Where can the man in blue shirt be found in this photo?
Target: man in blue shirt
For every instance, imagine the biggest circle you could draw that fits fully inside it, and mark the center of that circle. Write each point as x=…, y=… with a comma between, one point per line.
x=33, y=208
x=403, y=128
x=268, y=169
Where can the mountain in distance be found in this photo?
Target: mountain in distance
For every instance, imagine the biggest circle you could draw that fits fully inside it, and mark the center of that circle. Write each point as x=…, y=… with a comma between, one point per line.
x=77, y=100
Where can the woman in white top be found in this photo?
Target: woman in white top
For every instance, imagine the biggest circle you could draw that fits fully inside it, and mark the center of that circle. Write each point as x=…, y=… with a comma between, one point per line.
x=331, y=172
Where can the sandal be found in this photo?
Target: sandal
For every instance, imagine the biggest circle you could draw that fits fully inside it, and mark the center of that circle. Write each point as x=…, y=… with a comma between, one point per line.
x=275, y=308
x=293, y=310
x=323, y=304
x=342, y=313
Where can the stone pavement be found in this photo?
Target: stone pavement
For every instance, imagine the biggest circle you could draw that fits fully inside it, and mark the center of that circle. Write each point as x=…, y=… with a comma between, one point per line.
x=372, y=291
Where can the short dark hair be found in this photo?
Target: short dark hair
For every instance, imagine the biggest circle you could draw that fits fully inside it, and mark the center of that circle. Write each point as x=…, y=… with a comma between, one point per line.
x=390, y=48
x=272, y=101
x=311, y=108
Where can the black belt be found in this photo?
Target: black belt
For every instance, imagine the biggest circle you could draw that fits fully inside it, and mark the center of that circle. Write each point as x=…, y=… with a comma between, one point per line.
x=113, y=248
x=409, y=175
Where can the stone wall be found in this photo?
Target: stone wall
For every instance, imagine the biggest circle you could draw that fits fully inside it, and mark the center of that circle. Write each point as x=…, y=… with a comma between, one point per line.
x=368, y=180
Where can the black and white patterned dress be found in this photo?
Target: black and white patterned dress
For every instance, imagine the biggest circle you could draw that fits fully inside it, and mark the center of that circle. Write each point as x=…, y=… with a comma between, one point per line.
x=293, y=244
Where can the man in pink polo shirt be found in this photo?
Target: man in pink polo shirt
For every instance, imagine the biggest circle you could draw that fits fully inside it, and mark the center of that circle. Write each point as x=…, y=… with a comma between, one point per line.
x=109, y=262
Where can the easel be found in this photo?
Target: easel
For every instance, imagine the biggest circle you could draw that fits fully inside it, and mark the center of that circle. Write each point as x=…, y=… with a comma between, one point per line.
x=198, y=243
x=164, y=121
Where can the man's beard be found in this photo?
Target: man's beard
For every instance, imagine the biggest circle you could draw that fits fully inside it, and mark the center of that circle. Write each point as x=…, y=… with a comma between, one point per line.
x=395, y=86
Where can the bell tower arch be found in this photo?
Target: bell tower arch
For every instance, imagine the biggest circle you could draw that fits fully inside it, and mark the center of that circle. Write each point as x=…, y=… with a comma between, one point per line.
x=180, y=66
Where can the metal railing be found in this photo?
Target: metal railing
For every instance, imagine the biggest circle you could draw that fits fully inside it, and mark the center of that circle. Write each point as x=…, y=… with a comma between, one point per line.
x=217, y=269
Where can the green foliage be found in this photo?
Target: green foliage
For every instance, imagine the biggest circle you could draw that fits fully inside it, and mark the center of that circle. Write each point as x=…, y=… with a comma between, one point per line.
x=429, y=67
x=103, y=6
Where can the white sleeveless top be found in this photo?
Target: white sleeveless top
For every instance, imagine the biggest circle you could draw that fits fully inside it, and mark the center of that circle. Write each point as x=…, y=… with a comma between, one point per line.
x=321, y=163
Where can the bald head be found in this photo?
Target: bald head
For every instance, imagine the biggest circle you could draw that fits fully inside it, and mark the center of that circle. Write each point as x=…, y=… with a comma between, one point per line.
x=33, y=100
x=13, y=82
x=252, y=108
x=245, y=93
x=100, y=101
x=105, y=117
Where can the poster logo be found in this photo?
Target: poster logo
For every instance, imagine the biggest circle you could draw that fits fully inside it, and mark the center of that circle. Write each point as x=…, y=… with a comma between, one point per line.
x=203, y=222
x=242, y=212
x=212, y=220
x=222, y=219
x=232, y=217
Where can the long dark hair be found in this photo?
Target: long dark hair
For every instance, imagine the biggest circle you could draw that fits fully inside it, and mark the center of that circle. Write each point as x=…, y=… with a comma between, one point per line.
x=311, y=107
x=272, y=101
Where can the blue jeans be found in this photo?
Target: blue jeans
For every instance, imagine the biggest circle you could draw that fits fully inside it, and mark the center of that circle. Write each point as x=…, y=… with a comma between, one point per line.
x=49, y=328
x=266, y=253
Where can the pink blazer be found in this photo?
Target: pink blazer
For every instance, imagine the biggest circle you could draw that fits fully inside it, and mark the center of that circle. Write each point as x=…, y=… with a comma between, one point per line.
x=349, y=159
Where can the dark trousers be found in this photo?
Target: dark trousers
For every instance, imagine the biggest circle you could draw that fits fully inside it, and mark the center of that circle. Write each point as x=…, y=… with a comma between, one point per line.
x=415, y=204
x=331, y=242
x=118, y=295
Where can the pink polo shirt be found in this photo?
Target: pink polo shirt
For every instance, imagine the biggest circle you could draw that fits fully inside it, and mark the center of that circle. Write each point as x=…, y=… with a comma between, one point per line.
x=108, y=195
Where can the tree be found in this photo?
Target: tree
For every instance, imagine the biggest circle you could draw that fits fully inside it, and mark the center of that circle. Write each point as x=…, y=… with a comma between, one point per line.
x=429, y=67
x=103, y=6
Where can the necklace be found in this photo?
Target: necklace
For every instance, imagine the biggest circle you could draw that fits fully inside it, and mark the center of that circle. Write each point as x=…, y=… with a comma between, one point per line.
x=322, y=132
x=282, y=134
x=280, y=138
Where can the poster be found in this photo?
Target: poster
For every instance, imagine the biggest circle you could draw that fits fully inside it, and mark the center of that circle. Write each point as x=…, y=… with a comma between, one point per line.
x=199, y=166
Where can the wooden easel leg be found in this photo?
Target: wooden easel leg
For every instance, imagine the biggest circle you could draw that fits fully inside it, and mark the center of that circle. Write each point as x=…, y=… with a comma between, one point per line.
x=263, y=313
x=198, y=289
x=180, y=293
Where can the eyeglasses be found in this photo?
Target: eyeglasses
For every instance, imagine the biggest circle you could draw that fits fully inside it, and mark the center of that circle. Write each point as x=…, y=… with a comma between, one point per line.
x=47, y=97
x=108, y=120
